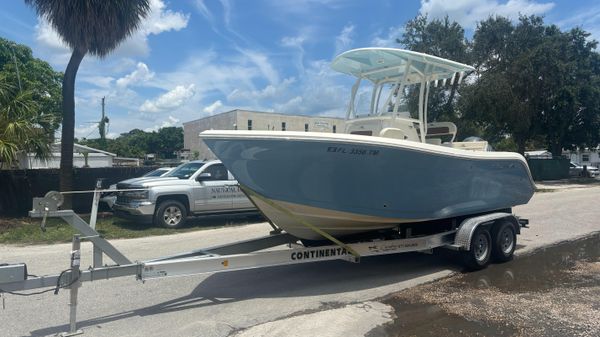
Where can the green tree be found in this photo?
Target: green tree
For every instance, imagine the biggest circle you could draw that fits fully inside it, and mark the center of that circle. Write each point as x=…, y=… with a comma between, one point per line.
x=535, y=85
x=96, y=27
x=23, y=127
x=22, y=71
x=170, y=140
x=569, y=114
x=29, y=103
x=535, y=82
x=137, y=143
x=442, y=38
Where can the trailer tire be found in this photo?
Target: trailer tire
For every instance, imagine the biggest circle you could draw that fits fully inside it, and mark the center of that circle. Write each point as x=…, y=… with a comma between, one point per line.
x=478, y=256
x=170, y=214
x=504, y=241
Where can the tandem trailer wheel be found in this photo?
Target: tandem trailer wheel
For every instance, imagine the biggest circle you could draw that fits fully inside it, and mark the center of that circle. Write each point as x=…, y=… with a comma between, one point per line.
x=479, y=254
x=504, y=241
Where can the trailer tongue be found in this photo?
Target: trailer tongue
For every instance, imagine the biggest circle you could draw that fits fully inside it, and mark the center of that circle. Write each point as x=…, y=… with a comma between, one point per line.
x=480, y=238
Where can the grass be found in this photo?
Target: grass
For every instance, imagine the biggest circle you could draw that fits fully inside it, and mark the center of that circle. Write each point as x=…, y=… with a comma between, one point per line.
x=26, y=231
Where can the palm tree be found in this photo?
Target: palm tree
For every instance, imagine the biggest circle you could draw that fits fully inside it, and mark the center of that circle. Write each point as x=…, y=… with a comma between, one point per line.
x=23, y=127
x=86, y=26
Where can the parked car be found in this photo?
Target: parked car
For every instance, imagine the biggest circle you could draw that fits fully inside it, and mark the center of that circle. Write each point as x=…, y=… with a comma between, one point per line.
x=110, y=198
x=194, y=188
x=576, y=170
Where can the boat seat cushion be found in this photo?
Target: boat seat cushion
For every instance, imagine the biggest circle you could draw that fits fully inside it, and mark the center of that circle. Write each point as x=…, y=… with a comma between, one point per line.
x=393, y=133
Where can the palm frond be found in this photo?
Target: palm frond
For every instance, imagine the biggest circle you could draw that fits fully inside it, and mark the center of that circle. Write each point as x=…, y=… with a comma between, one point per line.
x=93, y=26
x=8, y=152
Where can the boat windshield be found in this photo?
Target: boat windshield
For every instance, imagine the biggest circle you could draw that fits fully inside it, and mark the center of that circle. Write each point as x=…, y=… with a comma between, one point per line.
x=390, y=71
x=380, y=100
x=186, y=170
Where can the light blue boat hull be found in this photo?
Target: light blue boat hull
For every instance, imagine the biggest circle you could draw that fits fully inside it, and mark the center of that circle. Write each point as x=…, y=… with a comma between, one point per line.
x=377, y=186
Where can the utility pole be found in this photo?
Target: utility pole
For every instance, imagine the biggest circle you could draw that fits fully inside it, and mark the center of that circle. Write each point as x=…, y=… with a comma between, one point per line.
x=103, y=122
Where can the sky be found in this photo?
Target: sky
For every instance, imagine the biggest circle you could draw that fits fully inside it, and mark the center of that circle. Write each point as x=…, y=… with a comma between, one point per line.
x=195, y=58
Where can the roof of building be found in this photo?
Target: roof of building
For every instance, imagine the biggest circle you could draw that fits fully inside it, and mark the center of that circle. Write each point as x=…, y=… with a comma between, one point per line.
x=538, y=153
x=261, y=112
x=78, y=148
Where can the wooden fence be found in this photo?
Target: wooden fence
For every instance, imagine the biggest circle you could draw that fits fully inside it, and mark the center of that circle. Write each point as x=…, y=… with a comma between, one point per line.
x=18, y=187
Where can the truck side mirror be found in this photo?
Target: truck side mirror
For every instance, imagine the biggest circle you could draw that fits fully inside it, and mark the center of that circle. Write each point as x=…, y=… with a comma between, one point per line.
x=204, y=176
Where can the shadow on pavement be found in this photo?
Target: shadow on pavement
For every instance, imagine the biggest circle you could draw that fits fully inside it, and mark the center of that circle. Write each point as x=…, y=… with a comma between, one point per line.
x=329, y=277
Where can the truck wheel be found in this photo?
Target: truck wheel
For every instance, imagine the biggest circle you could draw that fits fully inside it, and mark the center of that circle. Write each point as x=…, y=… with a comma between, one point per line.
x=478, y=257
x=170, y=214
x=504, y=241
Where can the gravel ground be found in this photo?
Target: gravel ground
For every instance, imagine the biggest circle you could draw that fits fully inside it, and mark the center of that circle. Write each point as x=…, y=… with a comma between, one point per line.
x=555, y=292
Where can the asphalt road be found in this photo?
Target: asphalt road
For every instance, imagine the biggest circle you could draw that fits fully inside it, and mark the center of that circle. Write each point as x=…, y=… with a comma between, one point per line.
x=324, y=299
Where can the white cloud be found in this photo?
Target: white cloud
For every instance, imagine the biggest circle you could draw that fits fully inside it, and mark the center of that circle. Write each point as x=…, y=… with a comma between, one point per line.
x=214, y=107
x=47, y=36
x=227, y=8
x=262, y=62
x=159, y=20
x=344, y=40
x=170, y=121
x=204, y=11
x=226, y=12
x=321, y=91
x=140, y=75
x=389, y=39
x=469, y=12
x=225, y=83
x=211, y=74
x=268, y=92
x=163, y=20
x=293, y=41
x=170, y=100
x=296, y=42
x=290, y=106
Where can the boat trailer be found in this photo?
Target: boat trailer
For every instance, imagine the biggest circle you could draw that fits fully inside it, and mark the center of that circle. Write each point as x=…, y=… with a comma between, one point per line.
x=469, y=237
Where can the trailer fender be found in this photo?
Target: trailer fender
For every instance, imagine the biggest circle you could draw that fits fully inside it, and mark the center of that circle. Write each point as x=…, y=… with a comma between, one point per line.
x=462, y=240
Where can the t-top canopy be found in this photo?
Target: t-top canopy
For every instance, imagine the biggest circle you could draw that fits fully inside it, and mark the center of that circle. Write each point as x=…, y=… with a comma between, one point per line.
x=385, y=64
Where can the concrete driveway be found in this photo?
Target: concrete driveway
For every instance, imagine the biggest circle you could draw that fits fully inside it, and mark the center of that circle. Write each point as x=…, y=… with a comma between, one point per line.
x=324, y=299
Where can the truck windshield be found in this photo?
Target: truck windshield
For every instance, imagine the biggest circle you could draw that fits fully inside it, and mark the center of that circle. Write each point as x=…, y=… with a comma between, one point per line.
x=185, y=171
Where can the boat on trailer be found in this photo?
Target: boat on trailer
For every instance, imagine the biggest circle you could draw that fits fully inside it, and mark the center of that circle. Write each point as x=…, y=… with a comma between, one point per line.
x=389, y=168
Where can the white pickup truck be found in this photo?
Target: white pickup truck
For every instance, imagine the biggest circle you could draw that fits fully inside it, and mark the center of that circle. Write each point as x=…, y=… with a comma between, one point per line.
x=194, y=188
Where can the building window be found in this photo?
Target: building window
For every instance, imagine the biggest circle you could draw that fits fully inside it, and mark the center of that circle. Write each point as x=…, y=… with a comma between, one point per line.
x=249, y=124
x=585, y=157
x=334, y=129
x=306, y=127
x=282, y=126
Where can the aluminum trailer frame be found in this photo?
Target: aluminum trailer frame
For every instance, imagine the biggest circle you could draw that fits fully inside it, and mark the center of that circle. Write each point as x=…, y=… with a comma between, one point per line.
x=248, y=254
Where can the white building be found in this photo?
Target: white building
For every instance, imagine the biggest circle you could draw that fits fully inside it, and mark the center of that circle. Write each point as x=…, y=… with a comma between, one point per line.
x=590, y=157
x=252, y=120
x=83, y=156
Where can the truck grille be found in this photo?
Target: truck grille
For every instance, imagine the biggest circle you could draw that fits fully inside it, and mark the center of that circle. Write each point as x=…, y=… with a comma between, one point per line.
x=123, y=199
x=123, y=186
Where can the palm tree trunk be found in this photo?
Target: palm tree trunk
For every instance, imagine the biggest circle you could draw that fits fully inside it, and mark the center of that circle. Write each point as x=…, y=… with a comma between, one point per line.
x=68, y=124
